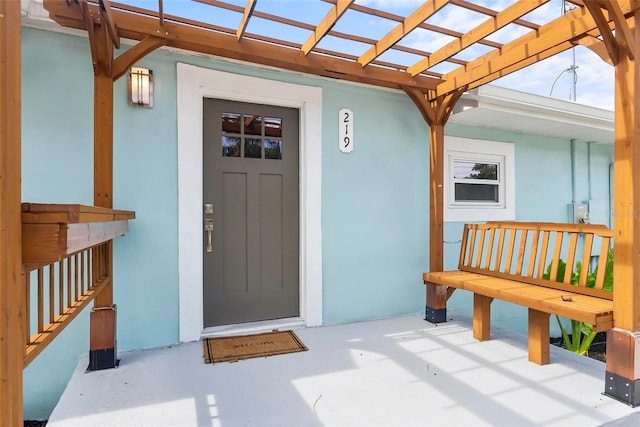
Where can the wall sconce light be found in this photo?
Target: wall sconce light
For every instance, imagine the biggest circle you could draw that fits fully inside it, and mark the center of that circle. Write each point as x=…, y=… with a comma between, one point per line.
x=141, y=87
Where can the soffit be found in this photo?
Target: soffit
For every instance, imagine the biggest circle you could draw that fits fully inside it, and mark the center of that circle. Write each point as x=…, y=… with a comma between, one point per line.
x=500, y=108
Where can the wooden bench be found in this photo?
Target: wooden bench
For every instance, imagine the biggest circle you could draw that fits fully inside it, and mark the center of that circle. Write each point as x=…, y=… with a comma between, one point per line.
x=508, y=261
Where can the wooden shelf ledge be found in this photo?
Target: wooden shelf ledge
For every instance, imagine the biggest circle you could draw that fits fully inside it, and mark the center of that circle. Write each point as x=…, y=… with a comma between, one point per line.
x=51, y=232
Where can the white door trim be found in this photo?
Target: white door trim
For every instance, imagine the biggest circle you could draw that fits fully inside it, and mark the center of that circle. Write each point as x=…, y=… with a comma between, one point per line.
x=195, y=83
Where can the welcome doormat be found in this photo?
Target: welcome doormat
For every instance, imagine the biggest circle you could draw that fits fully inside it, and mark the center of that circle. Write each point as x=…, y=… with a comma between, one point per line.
x=231, y=349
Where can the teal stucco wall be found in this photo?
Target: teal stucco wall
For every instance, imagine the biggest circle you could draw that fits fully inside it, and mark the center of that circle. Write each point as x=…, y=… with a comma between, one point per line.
x=374, y=200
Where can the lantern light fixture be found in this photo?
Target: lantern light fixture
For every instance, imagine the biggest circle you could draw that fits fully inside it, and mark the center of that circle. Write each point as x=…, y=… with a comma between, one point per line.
x=141, y=87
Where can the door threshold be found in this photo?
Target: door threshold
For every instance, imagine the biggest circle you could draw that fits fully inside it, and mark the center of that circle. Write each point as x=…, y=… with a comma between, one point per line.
x=253, y=327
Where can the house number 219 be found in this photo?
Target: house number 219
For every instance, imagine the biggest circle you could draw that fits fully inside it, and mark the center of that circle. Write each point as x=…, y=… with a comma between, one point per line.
x=345, y=126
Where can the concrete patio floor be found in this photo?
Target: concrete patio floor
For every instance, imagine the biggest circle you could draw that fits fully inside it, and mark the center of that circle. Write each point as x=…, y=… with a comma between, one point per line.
x=393, y=372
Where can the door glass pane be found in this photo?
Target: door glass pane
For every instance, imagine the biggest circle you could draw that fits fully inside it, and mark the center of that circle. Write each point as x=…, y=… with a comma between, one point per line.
x=471, y=170
x=230, y=146
x=253, y=148
x=273, y=149
x=252, y=125
x=476, y=192
x=273, y=127
x=231, y=122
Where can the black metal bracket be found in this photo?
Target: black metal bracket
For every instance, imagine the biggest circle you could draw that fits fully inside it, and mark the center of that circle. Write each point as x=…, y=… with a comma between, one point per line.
x=622, y=389
x=435, y=315
x=103, y=359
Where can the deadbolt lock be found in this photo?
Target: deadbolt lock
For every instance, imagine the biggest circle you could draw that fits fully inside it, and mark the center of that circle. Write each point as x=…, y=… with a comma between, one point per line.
x=208, y=228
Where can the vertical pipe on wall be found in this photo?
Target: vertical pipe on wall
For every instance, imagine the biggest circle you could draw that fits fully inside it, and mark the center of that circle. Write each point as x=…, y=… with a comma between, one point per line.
x=573, y=170
x=589, y=169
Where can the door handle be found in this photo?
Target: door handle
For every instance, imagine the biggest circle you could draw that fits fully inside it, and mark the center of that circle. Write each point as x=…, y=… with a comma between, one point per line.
x=208, y=227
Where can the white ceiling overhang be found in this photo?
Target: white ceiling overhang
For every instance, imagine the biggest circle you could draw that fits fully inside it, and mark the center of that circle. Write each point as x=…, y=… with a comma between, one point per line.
x=501, y=108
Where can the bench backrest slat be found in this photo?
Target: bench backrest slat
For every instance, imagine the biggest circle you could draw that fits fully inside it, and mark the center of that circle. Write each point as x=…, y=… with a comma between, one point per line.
x=586, y=259
x=512, y=242
x=542, y=258
x=521, y=251
x=487, y=259
x=571, y=256
x=543, y=249
x=534, y=252
x=555, y=261
x=602, y=266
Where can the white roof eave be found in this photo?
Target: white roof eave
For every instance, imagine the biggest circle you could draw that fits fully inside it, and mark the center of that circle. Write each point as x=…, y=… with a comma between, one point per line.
x=502, y=108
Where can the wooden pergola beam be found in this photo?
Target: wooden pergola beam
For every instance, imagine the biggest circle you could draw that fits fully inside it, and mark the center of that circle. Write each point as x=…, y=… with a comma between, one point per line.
x=12, y=295
x=189, y=37
x=244, y=21
x=326, y=24
x=426, y=10
x=123, y=62
x=476, y=34
x=603, y=25
x=514, y=55
x=596, y=46
x=624, y=35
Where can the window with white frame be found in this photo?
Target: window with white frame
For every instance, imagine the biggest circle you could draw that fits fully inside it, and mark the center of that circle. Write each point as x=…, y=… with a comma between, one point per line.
x=479, y=180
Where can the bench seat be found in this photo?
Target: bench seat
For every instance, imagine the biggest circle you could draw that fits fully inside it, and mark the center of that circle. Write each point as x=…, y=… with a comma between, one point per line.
x=542, y=266
x=584, y=308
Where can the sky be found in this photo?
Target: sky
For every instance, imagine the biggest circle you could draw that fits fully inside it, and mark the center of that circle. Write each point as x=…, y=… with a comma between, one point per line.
x=552, y=77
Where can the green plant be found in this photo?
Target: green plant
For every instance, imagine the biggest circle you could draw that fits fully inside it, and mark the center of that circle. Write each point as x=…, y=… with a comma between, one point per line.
x=582, y=334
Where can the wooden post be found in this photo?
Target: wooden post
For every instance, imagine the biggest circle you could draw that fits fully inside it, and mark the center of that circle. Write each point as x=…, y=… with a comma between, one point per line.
x=623, y=342
x=12, y=301
x=435, y=112
x=539, y=351
x=436, y=296
x=102, y=343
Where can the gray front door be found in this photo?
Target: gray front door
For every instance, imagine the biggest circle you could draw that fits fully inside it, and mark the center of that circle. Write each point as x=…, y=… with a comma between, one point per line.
x=250, y=173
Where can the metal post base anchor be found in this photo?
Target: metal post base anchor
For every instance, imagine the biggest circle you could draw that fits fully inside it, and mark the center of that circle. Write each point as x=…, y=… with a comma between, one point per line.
x=103, y=359
x=435, y=315
x=622, y=389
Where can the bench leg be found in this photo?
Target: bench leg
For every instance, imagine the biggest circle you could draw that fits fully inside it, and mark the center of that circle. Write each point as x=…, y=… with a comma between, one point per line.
x=538, y=337
x=481, y=317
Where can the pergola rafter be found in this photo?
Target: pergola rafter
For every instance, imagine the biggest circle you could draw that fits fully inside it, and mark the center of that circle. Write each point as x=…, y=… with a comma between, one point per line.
x=411, y=22
x=476, y=34
x=246, y=15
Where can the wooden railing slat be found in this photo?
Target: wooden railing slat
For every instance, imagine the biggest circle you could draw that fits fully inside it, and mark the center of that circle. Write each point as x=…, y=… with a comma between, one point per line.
x=51, y=291
x=40, y=298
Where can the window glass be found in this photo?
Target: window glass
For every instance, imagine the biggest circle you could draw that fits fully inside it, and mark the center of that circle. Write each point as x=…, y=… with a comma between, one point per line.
x=273, y=149
x=230, y=123
x=230, y=146
x=252, y=125
x=469, y=170
x=253, y=148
